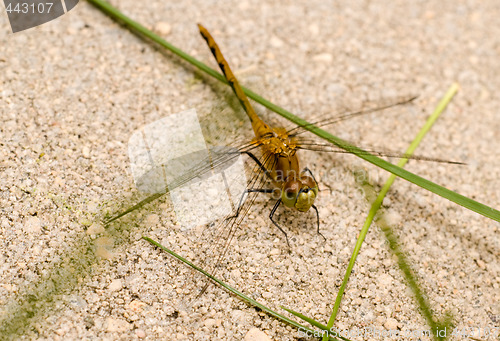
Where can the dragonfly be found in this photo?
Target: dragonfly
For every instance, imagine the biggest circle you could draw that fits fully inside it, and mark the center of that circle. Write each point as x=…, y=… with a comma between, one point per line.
x=276, y=171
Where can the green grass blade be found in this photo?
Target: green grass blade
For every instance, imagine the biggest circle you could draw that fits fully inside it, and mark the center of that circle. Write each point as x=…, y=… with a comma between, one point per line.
x=419, y=181
x=231, y=289
x=377, y=203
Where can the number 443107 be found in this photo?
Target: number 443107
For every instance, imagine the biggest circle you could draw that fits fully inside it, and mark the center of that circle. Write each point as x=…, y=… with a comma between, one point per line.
x=476, y=332
x=25, y=7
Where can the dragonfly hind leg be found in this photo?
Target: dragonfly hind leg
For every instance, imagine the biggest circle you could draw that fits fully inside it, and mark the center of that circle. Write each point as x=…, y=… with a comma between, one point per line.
x=257, y=161
x=268, y=191
x=248, y=190
x=251, y=190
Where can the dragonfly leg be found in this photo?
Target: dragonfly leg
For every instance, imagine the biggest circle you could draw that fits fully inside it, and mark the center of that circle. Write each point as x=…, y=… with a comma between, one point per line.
x=275, y=223
x=248, y=190
x=312, y=175
x=314, y=206
x=317, y=220
x=257, y=161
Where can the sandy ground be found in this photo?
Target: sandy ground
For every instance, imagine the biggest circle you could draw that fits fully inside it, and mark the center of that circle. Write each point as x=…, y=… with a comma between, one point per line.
x=74, y=90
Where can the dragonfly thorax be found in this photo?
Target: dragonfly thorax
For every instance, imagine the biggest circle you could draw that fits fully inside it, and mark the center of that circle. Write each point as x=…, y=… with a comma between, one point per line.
x=278, y=142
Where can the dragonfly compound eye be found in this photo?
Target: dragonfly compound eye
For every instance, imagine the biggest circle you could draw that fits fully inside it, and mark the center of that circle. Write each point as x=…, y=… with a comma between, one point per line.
x=307, y=194
x=290, y=192
x=305, y=199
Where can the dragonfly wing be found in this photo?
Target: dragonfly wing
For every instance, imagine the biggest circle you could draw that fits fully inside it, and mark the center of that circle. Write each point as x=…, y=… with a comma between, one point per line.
x=315, y=145
x=212, y=242
x=209, y=242
x=346, y=114
x=180, y=172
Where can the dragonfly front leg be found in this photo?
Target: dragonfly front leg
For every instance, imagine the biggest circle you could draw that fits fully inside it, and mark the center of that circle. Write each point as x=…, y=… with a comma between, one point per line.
x=273, y=211
x=275, y=223
x=281, y=229
x=317, y=220
x=312, y=176
x=313, y=206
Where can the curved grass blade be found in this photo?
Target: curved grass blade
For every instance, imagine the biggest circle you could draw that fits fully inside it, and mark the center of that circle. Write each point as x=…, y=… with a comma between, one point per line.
x=459, y=199
x=377, y=203
x=232, y=290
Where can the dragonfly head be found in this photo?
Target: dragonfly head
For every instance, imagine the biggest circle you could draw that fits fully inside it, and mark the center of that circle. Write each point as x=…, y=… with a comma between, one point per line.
x=300, y=193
